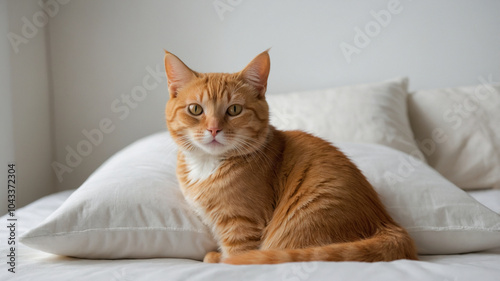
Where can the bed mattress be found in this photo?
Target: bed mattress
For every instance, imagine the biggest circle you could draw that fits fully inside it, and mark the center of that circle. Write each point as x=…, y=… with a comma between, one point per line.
x=31, y=264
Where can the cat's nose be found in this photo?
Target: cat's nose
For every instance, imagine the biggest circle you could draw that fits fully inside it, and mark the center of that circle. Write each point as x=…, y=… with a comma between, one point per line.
x=214, y=131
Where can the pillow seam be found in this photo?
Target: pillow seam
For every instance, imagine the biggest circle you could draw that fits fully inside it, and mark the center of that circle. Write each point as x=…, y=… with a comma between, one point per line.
x=114, y=229
x=419, y=229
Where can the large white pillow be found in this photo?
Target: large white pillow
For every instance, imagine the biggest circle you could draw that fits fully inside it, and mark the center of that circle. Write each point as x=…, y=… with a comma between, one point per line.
x=458, y=130
x=370, y=113
x=131, y=207
x=440, y=217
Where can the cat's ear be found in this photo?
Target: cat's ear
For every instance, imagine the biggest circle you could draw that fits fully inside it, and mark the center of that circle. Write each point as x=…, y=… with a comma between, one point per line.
x=257, y=72
x=178, y=74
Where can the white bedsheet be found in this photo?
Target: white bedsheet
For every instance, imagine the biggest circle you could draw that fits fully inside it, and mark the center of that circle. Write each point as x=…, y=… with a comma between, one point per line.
x=36, y=265
x=489, y=197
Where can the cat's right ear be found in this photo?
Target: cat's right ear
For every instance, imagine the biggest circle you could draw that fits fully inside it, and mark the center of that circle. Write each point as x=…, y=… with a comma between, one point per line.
x=178, y=74
x=257, y=72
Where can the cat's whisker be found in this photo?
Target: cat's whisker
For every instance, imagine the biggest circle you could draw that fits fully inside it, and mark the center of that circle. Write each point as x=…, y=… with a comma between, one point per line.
x=249, y=141
x=257, y=153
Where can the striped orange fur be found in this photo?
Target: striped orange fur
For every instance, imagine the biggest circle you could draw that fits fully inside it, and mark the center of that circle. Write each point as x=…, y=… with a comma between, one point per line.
x=270, y=196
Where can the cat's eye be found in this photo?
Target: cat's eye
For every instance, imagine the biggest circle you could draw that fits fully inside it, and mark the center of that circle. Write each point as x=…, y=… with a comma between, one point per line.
x=234, y=109
x=195, y=109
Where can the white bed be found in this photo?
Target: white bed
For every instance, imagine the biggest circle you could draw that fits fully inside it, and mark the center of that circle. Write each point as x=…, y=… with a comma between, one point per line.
x=37, y=265
x=132, y=207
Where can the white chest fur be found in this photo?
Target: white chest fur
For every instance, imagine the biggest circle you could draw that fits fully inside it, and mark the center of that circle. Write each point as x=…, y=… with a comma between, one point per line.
x=201, y=165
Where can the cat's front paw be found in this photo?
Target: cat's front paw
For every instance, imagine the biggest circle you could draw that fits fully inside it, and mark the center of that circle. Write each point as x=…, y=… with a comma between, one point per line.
x=212, y=257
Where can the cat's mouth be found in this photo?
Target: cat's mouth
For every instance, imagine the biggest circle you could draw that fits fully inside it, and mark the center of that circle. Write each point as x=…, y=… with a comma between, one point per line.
x=214, y=147
x=214, y=143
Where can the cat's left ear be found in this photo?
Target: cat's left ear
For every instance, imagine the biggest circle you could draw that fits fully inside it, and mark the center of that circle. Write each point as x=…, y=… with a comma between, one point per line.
x=178, y=74
x=257, y=72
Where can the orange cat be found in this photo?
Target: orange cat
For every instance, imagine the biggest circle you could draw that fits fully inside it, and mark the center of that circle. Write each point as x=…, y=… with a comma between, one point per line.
x=270, y=196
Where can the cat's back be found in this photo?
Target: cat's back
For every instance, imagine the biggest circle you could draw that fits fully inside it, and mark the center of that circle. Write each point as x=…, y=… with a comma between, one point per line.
x=300, y=147
x=306, y=155
x=319, y=184
x=313, y=160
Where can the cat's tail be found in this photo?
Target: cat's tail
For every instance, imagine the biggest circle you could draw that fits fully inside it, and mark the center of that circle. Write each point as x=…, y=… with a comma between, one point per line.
x=389, y=244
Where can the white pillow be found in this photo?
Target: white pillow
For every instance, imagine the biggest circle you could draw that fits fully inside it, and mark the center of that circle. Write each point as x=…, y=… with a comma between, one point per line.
x=371, y=113
x=440, y=217
x=458, y=129
x=131, y=207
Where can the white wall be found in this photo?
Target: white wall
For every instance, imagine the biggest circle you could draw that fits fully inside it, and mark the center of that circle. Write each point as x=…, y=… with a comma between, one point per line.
x=26, y=111
x=6, y=137
x=100, y=50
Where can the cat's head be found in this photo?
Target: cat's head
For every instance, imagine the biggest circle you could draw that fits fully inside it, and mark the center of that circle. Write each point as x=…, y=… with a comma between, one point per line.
x=222, y=114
